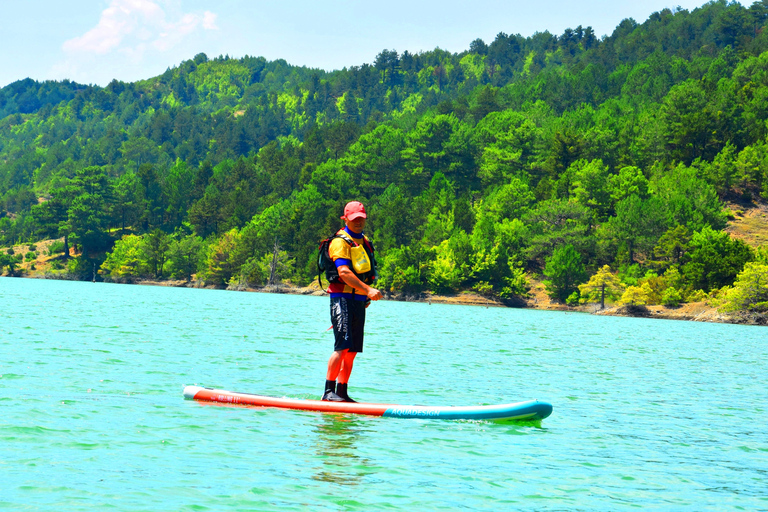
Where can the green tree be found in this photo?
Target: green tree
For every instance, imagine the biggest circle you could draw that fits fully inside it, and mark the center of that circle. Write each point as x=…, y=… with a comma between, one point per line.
x=589, y=186
x=506, y=202
x=185, y=256
x=557, y=223
x=139, y=151
x=12, y=261
x=499, y=261
x=206, y=215
x=394, y=219
x=151, y=197
x=88, y=216
x=722, y=171
x=177, y=188
x=752, y=167
x=638, y=224
x=127, y=260
x=690, y=122
x=51, y=217
x=715, y=259
x=672, y=246
x=126, y=194
x=445, y=274
x=376, y=159
x=688, y=200
x=220, y=265
x=404, y=269
x=507, y=141
x=565, y=271
x=440, y=143
x=439, y=198
x=156, y=246
x=629, y=181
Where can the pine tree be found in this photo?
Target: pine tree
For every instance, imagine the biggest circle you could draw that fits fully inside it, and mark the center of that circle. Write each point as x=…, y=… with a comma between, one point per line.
x=604, y=284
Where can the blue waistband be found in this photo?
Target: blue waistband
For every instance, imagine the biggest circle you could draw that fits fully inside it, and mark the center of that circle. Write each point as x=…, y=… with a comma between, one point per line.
x=354, y=296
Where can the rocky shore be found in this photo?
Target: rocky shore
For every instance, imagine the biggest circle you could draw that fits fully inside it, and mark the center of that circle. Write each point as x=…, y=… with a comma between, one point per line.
x=694, y=311
x=537, y=298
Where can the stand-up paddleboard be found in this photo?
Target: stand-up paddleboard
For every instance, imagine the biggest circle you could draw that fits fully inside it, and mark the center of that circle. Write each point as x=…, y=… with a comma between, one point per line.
x=530, y=410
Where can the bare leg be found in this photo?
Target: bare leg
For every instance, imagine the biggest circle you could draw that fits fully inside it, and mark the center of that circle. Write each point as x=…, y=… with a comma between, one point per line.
x=335, y=364
x=347, y=361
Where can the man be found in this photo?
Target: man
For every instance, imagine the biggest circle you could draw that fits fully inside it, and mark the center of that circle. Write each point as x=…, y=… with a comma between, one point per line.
x=355, y=269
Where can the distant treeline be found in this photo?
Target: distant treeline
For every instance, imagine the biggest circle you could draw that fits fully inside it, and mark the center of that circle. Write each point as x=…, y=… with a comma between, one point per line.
x=554, y=155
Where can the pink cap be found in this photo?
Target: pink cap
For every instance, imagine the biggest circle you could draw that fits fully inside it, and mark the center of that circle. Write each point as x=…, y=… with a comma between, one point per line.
x=354, y=210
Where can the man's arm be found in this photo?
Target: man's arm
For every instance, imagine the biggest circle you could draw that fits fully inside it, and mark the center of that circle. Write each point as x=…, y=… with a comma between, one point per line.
x=351, y=279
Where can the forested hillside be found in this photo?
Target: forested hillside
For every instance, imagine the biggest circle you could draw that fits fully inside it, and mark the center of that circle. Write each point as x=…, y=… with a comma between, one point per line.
x=552, y=155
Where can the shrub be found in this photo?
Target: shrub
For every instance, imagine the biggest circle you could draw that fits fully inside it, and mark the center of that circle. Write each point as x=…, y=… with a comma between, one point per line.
x=750, y=291
x=636, y=295
x=516, y=285
x=656, y=286
x=671, y=297
x=697, y=296
x=55, y=248
x=80, y=268
x=483, y=288
x=30, y=256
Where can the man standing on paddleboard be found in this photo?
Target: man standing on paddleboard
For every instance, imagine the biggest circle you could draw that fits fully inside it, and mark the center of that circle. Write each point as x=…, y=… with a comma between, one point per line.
x=350, y=268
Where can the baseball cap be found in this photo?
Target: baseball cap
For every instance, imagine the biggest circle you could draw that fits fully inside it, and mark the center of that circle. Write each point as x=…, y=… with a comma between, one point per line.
x=354, y=210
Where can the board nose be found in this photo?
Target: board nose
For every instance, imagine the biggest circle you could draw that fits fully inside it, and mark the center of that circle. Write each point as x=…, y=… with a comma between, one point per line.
x=191, y=391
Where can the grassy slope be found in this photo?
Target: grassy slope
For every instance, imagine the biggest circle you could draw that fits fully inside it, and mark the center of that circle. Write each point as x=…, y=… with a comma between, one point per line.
x=749, y=223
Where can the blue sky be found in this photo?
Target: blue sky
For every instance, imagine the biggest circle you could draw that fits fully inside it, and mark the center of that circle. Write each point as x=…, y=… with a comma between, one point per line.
x=94, y=41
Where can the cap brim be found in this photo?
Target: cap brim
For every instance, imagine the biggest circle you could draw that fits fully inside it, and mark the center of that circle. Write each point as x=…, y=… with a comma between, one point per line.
x=355, y=215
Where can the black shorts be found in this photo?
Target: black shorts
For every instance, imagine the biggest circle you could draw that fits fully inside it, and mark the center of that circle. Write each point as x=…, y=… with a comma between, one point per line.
x=348, y=319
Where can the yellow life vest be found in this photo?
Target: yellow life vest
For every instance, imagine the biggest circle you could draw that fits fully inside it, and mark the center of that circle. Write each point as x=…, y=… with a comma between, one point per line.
x=361, y=263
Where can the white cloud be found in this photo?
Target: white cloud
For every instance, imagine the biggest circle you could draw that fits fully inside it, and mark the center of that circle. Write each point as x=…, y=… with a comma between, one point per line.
x=131, y=26
x=209, y=21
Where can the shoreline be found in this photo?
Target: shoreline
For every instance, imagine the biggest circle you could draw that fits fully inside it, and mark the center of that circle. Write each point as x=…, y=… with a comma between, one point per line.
x=537, y=300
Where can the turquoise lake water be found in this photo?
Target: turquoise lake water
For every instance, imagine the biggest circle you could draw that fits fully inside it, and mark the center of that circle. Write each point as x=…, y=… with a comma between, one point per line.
x=649, y=414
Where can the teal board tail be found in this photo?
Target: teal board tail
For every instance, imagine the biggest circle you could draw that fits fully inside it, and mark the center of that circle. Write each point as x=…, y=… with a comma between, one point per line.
x=531, y=410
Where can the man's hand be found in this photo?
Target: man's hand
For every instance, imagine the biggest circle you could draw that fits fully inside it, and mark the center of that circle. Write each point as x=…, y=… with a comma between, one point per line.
x=374, y=294
x=351, y=279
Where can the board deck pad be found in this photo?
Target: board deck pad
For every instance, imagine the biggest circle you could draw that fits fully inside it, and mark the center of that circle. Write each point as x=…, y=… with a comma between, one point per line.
x=530, y=410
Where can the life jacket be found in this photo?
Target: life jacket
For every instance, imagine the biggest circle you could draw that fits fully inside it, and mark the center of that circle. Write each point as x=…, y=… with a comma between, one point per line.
x=362, y=256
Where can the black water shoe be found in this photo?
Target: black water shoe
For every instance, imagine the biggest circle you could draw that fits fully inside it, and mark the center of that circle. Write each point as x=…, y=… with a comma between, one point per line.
x=341, y=390
x=330, y=396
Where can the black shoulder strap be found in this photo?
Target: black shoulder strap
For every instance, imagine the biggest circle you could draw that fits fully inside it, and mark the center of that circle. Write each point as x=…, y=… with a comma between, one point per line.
x=368, y=243
x=344, y=236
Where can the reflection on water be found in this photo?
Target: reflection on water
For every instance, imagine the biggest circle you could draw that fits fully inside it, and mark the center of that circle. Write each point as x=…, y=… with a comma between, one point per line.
x=337, y=437
x=519, y=427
